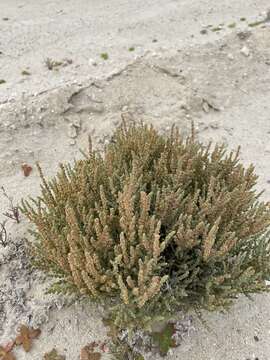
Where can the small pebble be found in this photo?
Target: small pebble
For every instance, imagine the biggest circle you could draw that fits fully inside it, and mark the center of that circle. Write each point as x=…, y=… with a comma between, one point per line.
x=243, y=35
x=203, y=31
x=72, y=131
x=245, y=51
x=205, y=107
x=214, y=125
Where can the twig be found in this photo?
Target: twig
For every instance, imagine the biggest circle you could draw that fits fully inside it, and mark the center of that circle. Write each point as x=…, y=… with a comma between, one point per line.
x=3, y=234
x=13, y=212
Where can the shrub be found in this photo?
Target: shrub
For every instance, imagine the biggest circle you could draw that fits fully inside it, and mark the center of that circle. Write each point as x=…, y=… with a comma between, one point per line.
x=153, y=225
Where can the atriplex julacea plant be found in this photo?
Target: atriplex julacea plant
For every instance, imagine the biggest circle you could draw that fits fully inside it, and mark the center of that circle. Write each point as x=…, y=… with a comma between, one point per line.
x=153, y=225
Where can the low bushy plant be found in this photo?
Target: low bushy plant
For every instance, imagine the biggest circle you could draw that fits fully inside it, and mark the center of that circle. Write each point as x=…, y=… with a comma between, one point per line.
x=153, y=225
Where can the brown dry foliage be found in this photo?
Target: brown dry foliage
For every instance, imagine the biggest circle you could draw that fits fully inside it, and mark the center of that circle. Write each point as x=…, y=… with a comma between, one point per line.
x=153, y=221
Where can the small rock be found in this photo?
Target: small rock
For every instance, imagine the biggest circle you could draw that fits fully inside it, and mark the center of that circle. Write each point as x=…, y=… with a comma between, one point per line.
x=72, y=142
x=72, y=131
x=256, y=338
x=184, y=106
x=206, y=107
x=214, y=125
x=51, y=328
x=245, y=51
x=230, y=57
x=243, y=35
x=77, y=123
x=202, y=126
x=203, y=31
x=125, y=108
x=91, y=61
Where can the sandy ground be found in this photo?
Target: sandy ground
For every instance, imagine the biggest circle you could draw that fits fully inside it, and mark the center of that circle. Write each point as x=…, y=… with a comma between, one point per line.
x=179, y=70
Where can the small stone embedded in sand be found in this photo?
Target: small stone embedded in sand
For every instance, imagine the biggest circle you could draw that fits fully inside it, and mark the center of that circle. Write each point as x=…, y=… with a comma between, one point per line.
x=184, y=105
x=92, y=62
x=25, y=73
x=124, y=108
x=205, y=107
x=211, y=103
x=230, y=57
x=243, y=35
x=77, y=123
x=214, y=125
x=245, y=51
x=72, y=131
x=204, y=31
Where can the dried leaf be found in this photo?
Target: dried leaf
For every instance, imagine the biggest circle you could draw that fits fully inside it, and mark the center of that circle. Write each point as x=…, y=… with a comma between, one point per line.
x=9, y=346
x=88, y=354
x=27, y=169
x=104, y=347
x=53, y=355
x=5, y=353
x=25, y=337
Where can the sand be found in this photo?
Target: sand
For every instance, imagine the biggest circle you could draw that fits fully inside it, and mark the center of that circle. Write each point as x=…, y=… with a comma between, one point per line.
x=164, y=66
